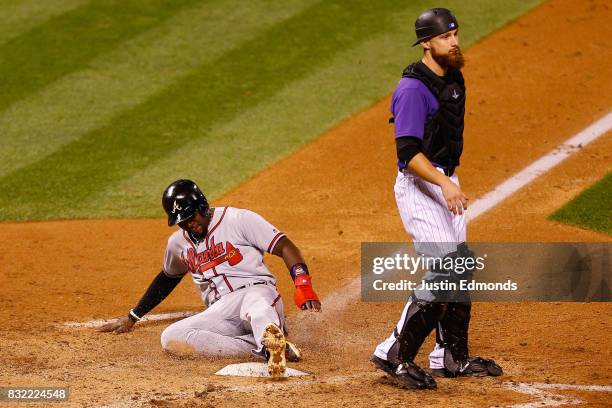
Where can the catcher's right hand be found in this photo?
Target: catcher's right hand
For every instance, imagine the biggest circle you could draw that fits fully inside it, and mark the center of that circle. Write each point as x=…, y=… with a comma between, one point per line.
x=119, y=325
x=456, y=200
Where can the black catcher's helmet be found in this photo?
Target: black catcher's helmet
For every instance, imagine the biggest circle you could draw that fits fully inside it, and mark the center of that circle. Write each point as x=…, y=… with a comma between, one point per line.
x=181, y=200
x=434, y=22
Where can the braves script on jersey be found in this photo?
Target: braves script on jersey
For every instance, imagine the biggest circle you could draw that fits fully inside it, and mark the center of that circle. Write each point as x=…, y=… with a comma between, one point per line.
x=230, y=257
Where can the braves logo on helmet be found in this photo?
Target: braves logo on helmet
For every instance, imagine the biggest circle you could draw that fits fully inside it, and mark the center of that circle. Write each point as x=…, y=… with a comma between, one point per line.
x=176, y=207
x=182, y=199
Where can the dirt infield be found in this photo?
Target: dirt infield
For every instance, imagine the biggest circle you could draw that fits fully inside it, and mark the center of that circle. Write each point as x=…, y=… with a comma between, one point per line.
x=530, y=87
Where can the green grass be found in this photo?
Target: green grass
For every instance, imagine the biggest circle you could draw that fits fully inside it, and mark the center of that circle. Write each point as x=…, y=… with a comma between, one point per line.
x=219, y=117
x=127, y=76
x=591, y=209
x=66, y=43
x=20, y=16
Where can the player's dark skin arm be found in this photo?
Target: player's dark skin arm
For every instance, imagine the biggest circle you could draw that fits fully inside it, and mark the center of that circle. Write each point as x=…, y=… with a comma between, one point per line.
x=455, y=198
x=292, y=255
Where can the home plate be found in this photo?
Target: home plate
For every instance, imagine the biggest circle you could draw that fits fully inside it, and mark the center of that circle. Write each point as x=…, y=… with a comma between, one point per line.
x=255, y=370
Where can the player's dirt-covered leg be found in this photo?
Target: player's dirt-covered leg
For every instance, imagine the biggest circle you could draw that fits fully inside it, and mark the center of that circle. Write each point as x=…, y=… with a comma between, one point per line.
x=213, y=332
x=262, y=311
x=274, y=341
x=195, y=335
x=261, y=306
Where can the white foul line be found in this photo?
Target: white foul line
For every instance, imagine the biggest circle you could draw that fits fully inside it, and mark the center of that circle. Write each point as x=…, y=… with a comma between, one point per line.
x=351, y=291
x=573, y=387
x=550, y=399
x=539, y=167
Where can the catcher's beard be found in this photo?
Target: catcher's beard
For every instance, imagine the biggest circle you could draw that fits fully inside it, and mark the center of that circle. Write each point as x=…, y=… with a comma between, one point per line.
x=454, y=59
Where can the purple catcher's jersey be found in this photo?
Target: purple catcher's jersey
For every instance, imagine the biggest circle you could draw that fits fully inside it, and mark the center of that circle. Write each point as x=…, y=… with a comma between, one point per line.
x=229, y=257
x=411, y=105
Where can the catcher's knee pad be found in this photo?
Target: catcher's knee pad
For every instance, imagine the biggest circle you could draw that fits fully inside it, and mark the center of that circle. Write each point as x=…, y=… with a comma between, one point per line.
x=420, y=320
x=453, y=268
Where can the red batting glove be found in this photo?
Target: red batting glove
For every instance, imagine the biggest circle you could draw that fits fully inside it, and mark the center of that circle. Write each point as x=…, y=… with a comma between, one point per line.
x=303, y=290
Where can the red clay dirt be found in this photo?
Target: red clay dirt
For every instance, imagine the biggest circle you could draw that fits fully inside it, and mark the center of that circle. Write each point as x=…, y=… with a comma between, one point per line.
x=530, y=86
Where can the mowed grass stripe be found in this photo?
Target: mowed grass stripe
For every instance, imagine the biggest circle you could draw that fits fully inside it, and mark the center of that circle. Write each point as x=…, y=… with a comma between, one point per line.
x=18, y=17
x=353, y=80
x=66, y=43
x=236, y=150
x=186, y=111
x=128, y=75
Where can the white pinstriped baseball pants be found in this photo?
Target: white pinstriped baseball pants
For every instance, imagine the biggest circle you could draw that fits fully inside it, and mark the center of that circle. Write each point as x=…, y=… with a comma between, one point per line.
x=428, y=221
x=424, y=213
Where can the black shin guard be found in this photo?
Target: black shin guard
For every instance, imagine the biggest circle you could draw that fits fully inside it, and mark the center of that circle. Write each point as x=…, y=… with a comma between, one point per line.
x=420, y=320
x=452, y=330
x=452, y=333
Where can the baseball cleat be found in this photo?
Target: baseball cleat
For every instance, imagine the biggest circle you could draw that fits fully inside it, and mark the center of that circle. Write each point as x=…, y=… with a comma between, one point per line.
x=274, y=340
x=292, y=352
x=472, y=367
x=406, y=375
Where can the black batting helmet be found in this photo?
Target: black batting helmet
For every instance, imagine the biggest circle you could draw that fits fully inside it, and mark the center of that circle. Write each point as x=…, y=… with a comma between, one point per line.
x=434, y=22
x=181, y=200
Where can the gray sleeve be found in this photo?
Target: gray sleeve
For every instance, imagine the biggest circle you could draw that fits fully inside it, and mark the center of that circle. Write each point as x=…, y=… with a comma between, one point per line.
x=173, y=259
x=258, y=232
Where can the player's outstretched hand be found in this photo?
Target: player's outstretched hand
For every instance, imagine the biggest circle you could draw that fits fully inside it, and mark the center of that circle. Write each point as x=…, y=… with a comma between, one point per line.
x=313, y=305
x=456, y=200
x=119, y=325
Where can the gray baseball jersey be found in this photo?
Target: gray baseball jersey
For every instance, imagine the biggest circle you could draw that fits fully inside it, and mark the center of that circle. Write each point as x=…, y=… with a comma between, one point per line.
x=229, y=257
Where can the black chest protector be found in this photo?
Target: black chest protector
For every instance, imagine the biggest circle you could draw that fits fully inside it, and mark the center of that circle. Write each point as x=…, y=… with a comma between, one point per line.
x=443, y=137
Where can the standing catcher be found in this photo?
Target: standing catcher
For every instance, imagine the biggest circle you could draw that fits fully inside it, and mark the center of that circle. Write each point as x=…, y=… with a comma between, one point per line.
x=222, y=249
x=428, y=108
